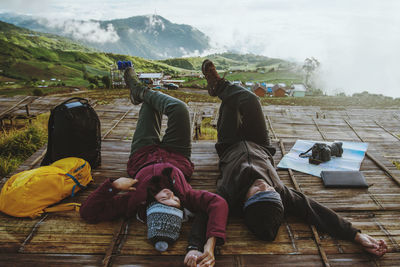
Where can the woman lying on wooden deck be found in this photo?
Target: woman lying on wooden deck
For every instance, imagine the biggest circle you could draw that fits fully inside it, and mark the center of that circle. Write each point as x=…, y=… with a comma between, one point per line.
x=159, y=191
x=249, y=181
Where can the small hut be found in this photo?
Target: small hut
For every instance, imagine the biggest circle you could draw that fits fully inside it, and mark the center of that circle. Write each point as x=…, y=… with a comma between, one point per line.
x=278, y=90
x=259, y=90
x=298, y=90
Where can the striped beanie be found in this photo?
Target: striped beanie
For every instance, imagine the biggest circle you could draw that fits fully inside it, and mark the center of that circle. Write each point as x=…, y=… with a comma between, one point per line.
x=163, y=224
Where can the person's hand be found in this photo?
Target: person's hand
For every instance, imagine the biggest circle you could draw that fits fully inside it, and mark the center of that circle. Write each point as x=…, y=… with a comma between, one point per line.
x=207, y=259
x=125, y=184
x=371, y=245
x=191, y=258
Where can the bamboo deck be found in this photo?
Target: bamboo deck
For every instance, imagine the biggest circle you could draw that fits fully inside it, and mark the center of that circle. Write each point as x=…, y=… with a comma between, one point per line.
x=64, y=239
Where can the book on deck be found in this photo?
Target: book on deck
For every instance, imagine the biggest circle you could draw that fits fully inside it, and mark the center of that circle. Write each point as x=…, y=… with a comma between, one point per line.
x=350, y=179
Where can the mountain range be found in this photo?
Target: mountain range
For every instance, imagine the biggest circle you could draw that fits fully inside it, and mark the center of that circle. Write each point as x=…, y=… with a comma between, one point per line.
x=27, y=56
x=151, y=36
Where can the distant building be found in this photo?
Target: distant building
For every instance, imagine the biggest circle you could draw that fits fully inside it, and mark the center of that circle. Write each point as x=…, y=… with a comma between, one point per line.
x=150, y=78
x=117, y=77
x=268, y=87
x=249, y=85
x=298, y=90
x=150, y=75
x=173, y=81
x=193, y=74
x=278, y=90
x=282, y=85
x=259, y=90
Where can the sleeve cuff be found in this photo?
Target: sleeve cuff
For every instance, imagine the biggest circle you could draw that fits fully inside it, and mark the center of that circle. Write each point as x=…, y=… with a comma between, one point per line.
x=220, y=239
x=108, y=189
x=354, y=233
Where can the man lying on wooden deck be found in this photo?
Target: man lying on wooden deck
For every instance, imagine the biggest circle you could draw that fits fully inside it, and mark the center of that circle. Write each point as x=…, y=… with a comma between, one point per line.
x=159, y=191
x=249, y=181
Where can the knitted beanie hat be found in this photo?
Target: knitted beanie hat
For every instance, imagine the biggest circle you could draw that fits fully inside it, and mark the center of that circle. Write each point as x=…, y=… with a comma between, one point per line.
x=163, y=224
x=263, y=214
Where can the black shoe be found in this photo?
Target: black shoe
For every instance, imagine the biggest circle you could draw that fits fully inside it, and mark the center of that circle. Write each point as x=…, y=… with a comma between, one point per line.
x=137, y=89
x=211, y=75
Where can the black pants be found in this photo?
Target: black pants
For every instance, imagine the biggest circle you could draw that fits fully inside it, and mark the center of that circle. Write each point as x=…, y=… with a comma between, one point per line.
x=240, y=118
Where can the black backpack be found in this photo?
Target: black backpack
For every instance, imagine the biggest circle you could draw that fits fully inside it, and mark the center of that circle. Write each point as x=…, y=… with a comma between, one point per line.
x=74, y=131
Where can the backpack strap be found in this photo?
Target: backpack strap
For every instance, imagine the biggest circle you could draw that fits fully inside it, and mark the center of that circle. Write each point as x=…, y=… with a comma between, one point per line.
x=76, y=184
x=63, y=207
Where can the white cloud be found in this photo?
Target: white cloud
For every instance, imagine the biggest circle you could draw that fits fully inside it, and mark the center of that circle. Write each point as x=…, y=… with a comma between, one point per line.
x=356, y=40
x=84, y=30
x=154, y=23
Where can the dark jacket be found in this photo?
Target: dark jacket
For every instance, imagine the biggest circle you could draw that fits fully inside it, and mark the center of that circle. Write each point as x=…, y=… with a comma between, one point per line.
x=245, y=161
x=106, y=204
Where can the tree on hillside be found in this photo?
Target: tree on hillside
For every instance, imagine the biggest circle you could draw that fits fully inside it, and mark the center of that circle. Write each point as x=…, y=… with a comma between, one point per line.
x=106, y=81
x=309, y=66
x=93, y=80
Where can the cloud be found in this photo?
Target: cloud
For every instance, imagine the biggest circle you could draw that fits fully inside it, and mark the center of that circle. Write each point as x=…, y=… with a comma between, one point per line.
x=154, y=23
x=88, y=31
x=356, y=41
x=27, y=7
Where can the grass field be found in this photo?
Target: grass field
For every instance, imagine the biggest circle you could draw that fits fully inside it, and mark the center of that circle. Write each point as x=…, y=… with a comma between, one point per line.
x=16, y=145
x=279, y=76
x=29, y=90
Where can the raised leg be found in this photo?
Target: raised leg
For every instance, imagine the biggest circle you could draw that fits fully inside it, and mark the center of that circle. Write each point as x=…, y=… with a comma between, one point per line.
x=240, y=117
x=147, y=129
x=178, y=134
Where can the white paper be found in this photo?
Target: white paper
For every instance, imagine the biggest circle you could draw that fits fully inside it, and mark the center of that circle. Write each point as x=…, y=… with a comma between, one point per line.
x=353, y=155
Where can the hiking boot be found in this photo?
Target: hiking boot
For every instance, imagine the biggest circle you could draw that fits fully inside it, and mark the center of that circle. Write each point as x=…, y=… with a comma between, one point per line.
x=137, y=89
x=211, y=75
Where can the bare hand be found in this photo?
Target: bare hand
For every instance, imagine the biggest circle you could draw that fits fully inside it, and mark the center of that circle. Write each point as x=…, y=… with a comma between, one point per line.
x=125, y=184
x=207, y=259
x=371, y=245
x=191, y=258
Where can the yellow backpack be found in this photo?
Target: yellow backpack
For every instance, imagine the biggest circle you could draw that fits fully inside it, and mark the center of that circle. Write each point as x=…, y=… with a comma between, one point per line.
x=29, y=193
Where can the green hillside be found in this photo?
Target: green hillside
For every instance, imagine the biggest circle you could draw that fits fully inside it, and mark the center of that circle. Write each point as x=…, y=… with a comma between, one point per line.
x=30, y=56
x=231, y=61
x=241, y=67
x=150, y=36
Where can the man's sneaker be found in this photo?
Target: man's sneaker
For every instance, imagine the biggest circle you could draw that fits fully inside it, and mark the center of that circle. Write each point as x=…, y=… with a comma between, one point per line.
x=211, y=75
x=137, y=89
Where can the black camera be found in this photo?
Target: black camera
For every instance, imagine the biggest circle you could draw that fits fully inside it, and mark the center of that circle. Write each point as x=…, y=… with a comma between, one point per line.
x=321, y=152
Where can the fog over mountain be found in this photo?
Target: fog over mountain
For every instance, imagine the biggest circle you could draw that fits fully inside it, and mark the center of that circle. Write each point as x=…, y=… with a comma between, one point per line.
x=151, y=36
x=356, y=41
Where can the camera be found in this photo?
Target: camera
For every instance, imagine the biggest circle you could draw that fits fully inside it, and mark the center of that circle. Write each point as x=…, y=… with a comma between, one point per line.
x=321, y=152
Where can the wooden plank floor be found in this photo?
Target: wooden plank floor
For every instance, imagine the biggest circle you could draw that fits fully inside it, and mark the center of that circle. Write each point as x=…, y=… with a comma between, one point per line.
x=64, y=239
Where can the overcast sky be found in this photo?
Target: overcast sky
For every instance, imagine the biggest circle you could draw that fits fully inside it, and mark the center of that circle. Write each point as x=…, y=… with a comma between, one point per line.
x=356, y=41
